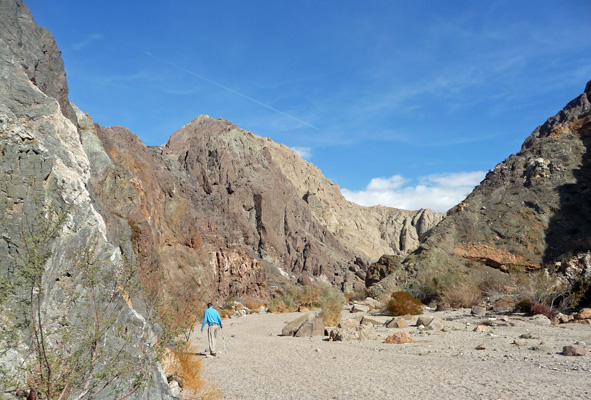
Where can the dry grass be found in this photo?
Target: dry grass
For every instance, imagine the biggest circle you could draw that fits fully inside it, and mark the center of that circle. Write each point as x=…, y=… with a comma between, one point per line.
x=331, y=304
x=461, y=294
x=185, y=367
x=253, y=306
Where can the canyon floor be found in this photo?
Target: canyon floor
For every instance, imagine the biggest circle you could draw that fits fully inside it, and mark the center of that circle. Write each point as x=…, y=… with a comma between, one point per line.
x=260, y=364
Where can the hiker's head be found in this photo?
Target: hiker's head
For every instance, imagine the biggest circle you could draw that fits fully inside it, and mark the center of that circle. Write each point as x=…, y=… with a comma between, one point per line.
x=209, y=305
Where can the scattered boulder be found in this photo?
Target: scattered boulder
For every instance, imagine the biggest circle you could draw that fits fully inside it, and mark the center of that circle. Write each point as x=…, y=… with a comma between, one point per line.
x=435, y=324
x=575, y=350
x=360, y=308
x=399, y=323
x=519, y=342
x=481, y=328
x=585, y=313
x=424, y=320
x=303, y=309
x=443, y=306
x=399, y=338
x=311, y=328
x=262, y=310
x=292, y=327
x=478, y=311
x=542, y=320
x=367, y=320
x=350, y=323
x=481, y=347
x=373, y=303
x=358, y=333
x=564, y=318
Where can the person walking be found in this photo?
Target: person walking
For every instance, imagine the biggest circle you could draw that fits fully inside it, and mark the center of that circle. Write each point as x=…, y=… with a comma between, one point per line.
x=211, y=317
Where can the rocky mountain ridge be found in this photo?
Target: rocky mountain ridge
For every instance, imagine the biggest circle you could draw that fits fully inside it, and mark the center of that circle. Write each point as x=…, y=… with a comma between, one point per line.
x=531, y=212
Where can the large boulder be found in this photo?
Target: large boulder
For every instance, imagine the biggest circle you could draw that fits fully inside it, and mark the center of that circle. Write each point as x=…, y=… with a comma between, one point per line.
x=292, y=327
x=311, y=328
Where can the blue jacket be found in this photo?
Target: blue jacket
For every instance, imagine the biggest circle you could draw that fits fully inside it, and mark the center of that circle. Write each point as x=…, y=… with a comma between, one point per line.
x=211, y=316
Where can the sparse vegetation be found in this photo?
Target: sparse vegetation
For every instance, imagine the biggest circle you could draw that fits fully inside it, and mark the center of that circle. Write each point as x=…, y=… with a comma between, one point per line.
x=184, y=366
x=331, y=305
x=403, y=303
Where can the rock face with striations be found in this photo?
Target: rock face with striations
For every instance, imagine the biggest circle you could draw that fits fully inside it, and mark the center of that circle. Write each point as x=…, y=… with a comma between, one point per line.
x=266, y=199
x=44, y=175
x=531, y=211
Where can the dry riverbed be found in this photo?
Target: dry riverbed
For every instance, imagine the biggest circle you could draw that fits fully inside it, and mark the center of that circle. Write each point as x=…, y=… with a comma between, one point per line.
x=260, y=364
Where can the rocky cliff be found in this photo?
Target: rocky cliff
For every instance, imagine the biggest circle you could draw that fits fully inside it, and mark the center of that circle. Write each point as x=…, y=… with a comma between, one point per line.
x=47, y=216
x=282, y=210
x=531, y=212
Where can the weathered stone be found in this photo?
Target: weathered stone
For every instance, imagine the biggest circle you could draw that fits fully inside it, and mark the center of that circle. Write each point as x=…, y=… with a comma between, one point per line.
x=399, y=338
x=563, y=318
x=399, y=323
x=359, y=308
x=541, y=320
x=350, y=323
x=303, y=309
x=519, y=342
x=479, y=311
x=424, y=320
x=481, y=347
x=292, y=327
x=481, y=328
x=374, y=320
x=575, y=350
x=443, y=306
x=435, y=324
x=585, y=313
x=311, y=328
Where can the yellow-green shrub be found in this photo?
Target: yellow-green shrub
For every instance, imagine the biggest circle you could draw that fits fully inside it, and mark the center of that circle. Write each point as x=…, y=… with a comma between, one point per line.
x=402, y=303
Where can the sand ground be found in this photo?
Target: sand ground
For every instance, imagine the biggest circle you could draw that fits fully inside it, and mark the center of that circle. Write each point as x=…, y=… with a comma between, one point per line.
x=259, y=364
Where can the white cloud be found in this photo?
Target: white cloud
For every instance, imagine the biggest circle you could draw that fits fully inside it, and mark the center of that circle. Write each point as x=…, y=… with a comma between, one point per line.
x=304, y=152
x=438, y=192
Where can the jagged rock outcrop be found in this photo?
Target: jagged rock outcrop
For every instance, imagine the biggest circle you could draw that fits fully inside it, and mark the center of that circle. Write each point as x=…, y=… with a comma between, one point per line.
x=530, y=212
x=44, y=177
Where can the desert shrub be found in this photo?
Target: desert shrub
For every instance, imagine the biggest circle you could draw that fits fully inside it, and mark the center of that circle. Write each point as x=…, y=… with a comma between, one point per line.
x=547, y=288
x=462, y=294
x=309, y=295
x=524, y=306
x=537, y=308
x=331, y=305
x=283, y=304
x=252, y=305
x=402, y=303
x=185, y=367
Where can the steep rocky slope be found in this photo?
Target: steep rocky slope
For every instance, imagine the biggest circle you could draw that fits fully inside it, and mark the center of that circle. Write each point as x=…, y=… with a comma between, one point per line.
x=268, y=200
x=43, y=178
x=532, y=211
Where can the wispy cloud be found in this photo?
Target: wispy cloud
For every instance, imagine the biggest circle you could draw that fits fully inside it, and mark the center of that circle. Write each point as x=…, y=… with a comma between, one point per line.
x=190, y=72
x=86, y=41
x=438, y=192
x=304, y=152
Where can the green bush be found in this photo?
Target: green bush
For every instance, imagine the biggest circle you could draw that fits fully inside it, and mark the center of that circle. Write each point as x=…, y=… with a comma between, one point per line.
x=402, y=303
x=331, y=305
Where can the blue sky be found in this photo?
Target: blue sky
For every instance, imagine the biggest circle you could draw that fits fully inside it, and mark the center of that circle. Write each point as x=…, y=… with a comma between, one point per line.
x=401, y=103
